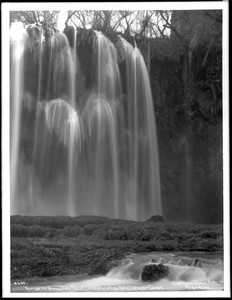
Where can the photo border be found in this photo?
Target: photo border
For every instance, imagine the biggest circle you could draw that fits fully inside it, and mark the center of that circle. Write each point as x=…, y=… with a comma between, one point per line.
x=6, y=8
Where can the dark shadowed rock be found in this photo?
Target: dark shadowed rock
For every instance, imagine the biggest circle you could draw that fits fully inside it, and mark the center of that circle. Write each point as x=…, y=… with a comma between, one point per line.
x=154, y=272
x=69, y=31
x=156, y=219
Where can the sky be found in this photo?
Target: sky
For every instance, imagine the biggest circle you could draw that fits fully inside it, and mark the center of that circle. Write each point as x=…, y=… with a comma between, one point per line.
x=61, y=20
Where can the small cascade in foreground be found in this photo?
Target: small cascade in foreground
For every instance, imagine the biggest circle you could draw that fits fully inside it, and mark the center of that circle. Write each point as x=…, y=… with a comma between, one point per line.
x=181, y=268
x=185, y=273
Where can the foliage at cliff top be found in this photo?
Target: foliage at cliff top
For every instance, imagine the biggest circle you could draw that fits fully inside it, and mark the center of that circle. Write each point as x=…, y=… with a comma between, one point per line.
x=170, y=33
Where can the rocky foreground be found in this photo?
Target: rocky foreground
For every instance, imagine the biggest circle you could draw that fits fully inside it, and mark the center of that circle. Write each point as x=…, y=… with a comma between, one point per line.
x=91, y=245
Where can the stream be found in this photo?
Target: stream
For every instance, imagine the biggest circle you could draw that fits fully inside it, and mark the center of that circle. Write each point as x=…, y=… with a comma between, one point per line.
x=188, y=271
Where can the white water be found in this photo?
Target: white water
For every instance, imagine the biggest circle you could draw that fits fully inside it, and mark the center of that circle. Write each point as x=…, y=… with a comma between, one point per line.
x=62, y=120
x=187, y=272
x=93, y=154
x=98, y=117
x=143, y=161
x=207, y=274
x=18, y=42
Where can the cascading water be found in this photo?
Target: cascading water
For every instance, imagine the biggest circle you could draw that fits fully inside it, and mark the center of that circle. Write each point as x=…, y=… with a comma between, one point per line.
x=93, y=156
x=108, y=77
x=66, y=123
x=101, y=128
x=99, y=115
x=18, y=41
x=142, y=157
x=190, y=272
x=181, y=267
x=185, y=273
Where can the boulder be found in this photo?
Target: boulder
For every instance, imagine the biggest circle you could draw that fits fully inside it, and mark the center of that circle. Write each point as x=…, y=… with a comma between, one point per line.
x=156, y=218
x=154, y=272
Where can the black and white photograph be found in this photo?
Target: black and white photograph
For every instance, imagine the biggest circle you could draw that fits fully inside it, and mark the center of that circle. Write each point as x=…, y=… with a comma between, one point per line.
x=115, y=149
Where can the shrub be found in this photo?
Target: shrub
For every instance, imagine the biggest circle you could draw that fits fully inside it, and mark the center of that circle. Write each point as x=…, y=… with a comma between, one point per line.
x=18, y=246
x=165, y=235
x=59, y=232
x=209, y=235
x=151, y=248
x=19, y=230
x=82, y=221
x=117, y=233
x=74, y=231
x=50, y=232
x=66, y=231
x=169, y=245
x=58, y=221
x=36, y=230
x=89, y=229
x=211, y=244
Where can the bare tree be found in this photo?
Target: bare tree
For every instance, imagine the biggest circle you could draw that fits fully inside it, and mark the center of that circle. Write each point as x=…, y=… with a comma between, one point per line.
x=46, y=18
x=141, y=22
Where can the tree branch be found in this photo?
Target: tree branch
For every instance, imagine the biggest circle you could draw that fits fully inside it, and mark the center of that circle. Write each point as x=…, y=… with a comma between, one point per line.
x=145, y=23
x=168, y=25
x=70, y=14
x=126, y=14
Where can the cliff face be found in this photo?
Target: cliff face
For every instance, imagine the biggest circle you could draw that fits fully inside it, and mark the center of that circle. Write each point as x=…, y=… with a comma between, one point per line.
x=188, y=108
x=186, y=80
x=187, y=92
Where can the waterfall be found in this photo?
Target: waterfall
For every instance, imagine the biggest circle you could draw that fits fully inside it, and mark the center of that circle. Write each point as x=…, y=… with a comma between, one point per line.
x=18, y=44
x=62, y=119
x=143, y=146
x=91, y=153
x=101, y=127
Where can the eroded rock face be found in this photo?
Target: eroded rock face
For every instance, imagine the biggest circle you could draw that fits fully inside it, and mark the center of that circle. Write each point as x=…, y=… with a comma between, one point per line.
x=154, y=272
